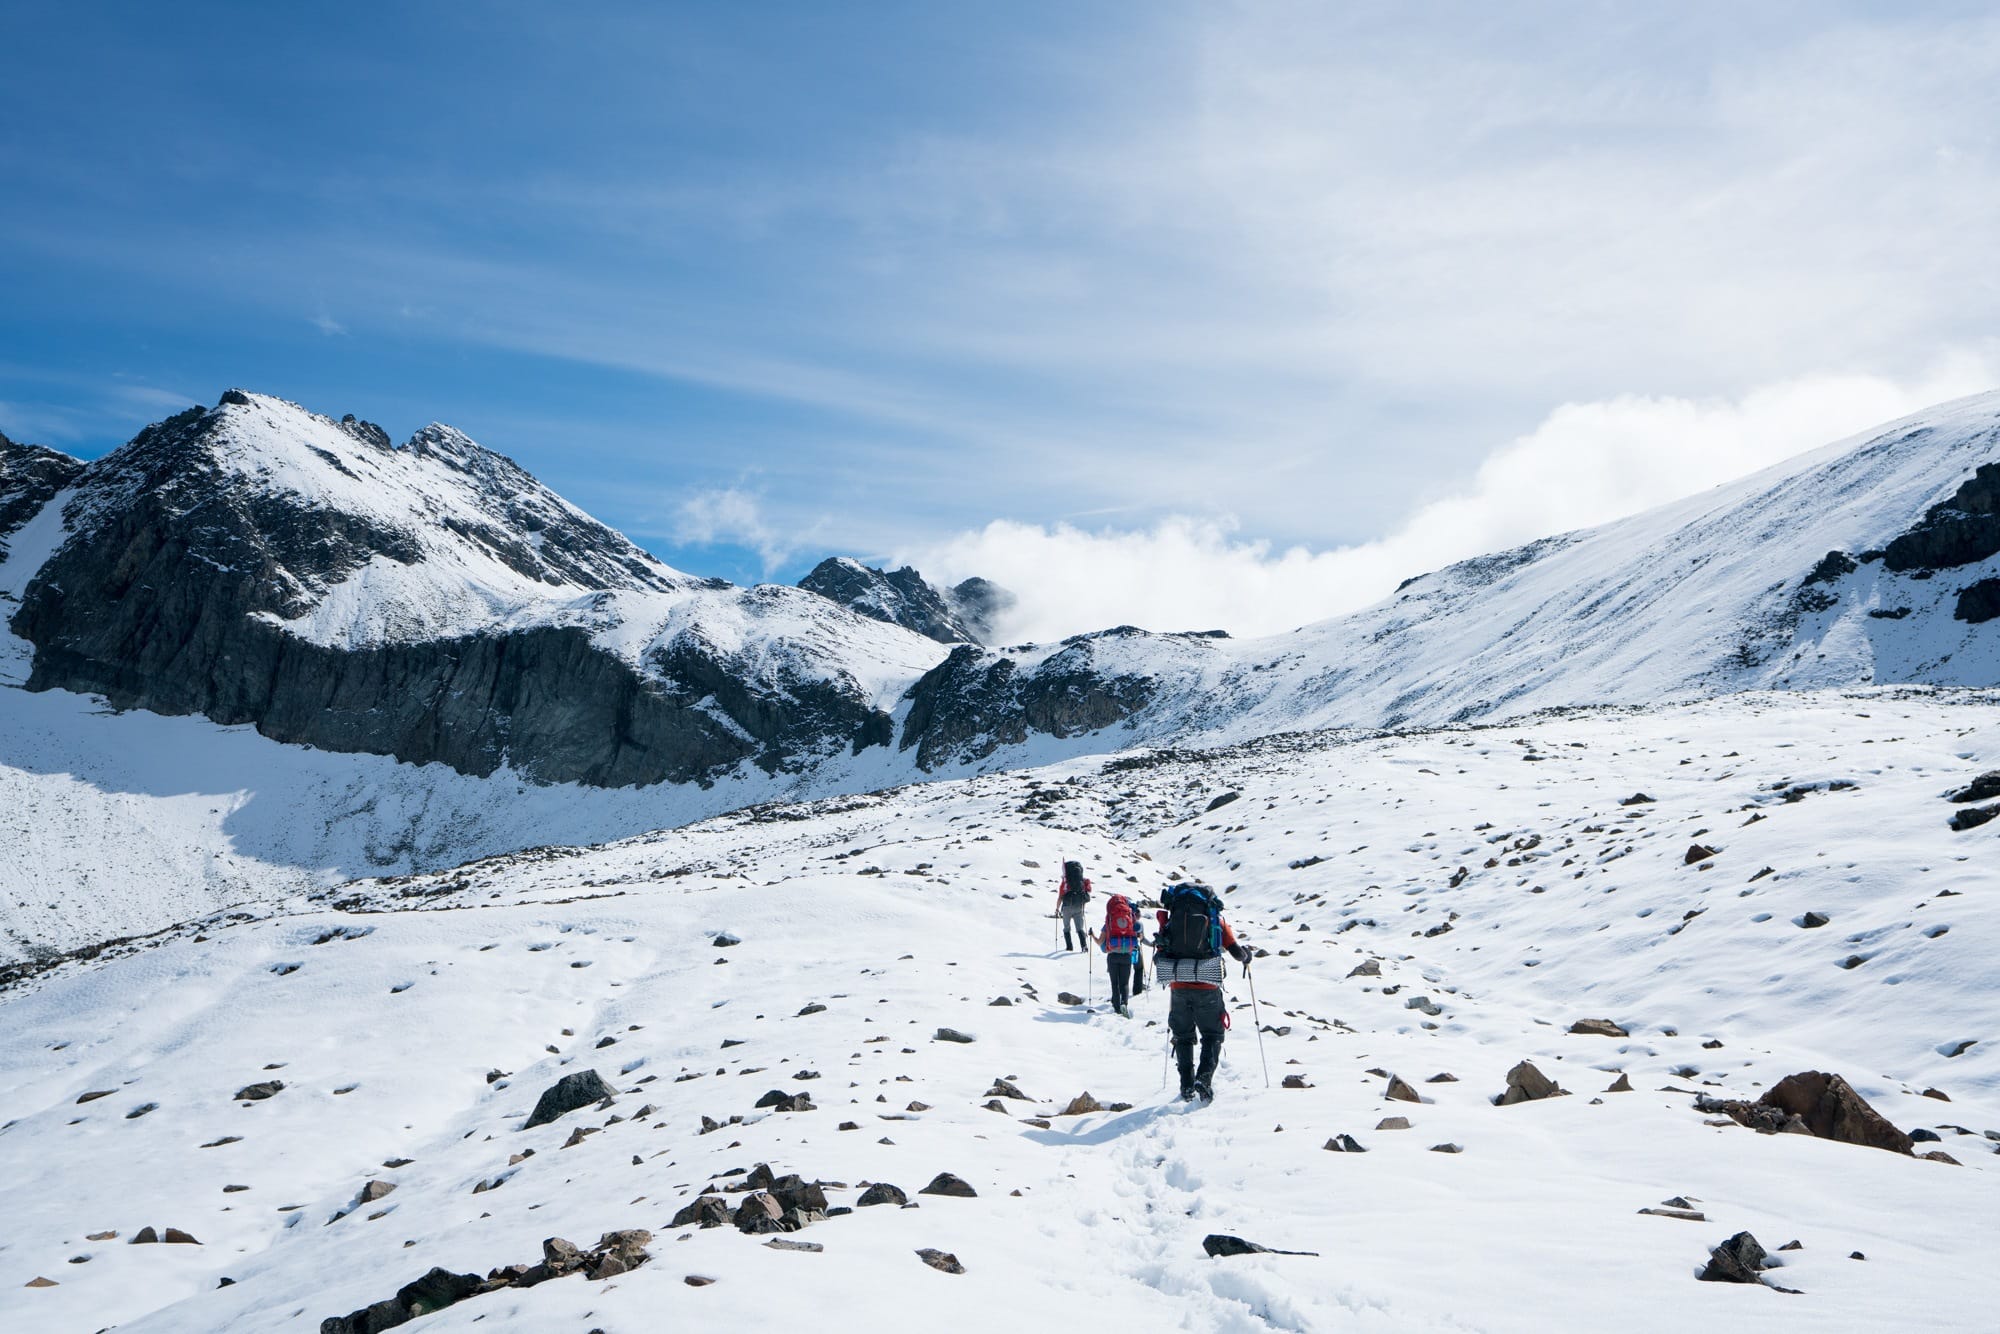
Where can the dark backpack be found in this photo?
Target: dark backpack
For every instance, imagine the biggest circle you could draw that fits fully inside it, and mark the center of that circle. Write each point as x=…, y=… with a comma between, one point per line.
x=1076, y=890
x=1194, y=922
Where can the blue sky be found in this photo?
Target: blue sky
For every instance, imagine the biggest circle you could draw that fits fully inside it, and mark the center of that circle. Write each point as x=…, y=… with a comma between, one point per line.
x=1240, y=311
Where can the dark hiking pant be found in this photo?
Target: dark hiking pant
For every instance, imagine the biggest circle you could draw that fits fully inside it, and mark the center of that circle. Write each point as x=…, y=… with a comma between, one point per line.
x=1120, y=964
x=1073, y=917
x=1196, y=1010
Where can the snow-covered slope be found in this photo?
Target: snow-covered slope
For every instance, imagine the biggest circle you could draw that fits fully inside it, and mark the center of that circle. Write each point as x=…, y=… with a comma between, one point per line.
x=1734, y=589
x=1493, y=879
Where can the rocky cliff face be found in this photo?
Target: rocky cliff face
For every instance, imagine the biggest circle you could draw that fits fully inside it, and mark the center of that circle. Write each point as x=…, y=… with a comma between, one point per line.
x=259, y=564
x=903, y=597
x=29, y=477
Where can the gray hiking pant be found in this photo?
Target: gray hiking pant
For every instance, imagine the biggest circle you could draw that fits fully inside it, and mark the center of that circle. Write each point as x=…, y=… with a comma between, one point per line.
x=1196, y=1010
x=1073, y=917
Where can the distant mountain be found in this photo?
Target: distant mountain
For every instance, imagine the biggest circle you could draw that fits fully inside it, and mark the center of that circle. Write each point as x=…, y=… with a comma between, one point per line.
x=258, y=563
x=960, y=615
x=1873, y=560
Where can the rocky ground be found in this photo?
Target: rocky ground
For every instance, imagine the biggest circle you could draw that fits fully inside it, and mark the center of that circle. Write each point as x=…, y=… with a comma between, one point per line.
x=842, y=1083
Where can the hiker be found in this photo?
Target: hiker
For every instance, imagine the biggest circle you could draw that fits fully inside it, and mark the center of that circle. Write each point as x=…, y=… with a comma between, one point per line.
x=1120, y=943
x=1189, y=947
x=1072, y=896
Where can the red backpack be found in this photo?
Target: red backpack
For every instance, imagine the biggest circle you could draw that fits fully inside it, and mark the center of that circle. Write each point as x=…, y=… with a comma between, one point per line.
x=1119, y=919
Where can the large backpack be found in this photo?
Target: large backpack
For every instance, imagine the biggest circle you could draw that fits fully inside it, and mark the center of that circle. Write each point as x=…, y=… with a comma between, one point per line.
x=1120, y=922
x=1076, y=890
x=1194, y=922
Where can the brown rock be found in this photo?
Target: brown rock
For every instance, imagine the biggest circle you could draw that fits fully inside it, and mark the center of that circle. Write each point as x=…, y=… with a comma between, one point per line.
x=1598, y=1028
x=1393, y=1123
x=375, y=1190
x=1831, y=1109
x=175, y=1237
x=697, y=1280
x=1400, y=1092
x=94, y=1095
x=882, y=1192
x=270, y=1088
x=1527, y=1084
x=1295, y=1082
x=1004, y=1089
x=145, y=1236
x=39, y=1282
x=1622, y=1084
x=705, y=1211
x=102, y=1236
x=1081, y=1104
x=760, y=1212
x=1697, y=853
x=1940, y=1156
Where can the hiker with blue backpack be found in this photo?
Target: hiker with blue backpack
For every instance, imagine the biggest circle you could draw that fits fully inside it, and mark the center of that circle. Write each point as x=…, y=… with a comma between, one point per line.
x=1188, y=957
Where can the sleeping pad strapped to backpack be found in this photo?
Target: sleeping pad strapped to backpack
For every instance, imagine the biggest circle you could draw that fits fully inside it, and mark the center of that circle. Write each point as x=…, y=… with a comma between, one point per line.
x=1191, y=941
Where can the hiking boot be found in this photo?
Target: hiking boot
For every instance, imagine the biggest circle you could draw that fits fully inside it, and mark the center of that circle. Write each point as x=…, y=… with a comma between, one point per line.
x=1204, y=1092
x=1186, y=1093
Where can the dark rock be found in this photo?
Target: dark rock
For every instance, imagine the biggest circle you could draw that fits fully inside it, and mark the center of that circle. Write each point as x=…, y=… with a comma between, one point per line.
x=882, y=1193
x=1983, y=788
x=1222, y=800
x=1600, y=1028
x=1069, y=998
x=1399, y=1091
x=951, y=1035
x=697, y=1280
x=30, y=476
x=760, y=1212
x=1636, y=799
x=1737, y=1260
x=705, y=1211
x=436, y=1290
x=1959, y=531
x=1366, y=968
x=1831, y=1109
x=95, y=1095
x=1295, y=1082
x=1972, y=817
x=617, y=1253
x=941, y=1260
x=270, y=1088
x=724, y=940
x=145, y=1236
x=1005, y=1089
x=1923, y=1136
x=1697, y=852
x=1814, y=919
x=561, y=1255
x=1216, y=1243
x=1345, y=1144
x=787, y=1244
x=584, y=1088
x=1393, y=1123
x=1527, y=1084
x=944, y=1183
x=1940, y=1156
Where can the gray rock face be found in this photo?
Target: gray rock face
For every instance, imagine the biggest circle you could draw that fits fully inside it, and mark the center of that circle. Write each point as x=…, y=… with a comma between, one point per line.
x=186, y=562
x=980, y=603
x=29, y=477
x=900, y=597
x=1958, y=531
x=973, y=702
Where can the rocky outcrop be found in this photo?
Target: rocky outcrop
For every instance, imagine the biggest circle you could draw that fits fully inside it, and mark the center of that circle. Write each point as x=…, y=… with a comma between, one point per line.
x=974, y=702
x=29, y=477
x=566, y=1095
x=901, y=597
x=979, y=605
x=1954, y=532
x=1978, y=602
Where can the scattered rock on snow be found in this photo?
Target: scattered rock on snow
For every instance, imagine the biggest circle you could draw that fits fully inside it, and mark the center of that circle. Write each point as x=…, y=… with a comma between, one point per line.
x=944, y=1183
x=566, y=1095
x=951, y=1035
x=941, y=1260
x=1598, y=1028
x=1399, y=1091
x=1393, y=1123
x=1697, y=852
x=1527, y=1084
x=1737, y=1260
x=1081, y=1104
x=882, y=1193
x=1831, y=1109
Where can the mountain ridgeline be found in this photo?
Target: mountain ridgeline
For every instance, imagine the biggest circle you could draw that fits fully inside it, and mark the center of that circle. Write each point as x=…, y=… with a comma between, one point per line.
x=258, y=563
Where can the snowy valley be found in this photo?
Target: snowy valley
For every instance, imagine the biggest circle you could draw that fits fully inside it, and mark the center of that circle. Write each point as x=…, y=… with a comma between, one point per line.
x=356, y=795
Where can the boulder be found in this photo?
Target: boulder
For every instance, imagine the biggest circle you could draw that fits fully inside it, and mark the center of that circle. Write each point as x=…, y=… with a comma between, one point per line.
x=1081, y=1104
x=1831, y=1109
x=1697, y=852
x=705, y=1211
x=1598, y=1028
x=883, y=1193
x=1983, y=788
x=584, y=1088
x=270, y=1088
x=375, y=1190
x=173, y=1236
x=951, y=1035
x=944, y=1183
x=1737, y=1260
x=1393, y=1123
x=1527, y=1084
x=436, y=1290
x=1069, y=998
x=1004, y=1089
x=1366, y=968
x=1399, y=1091
x=760, y=1212
x=1622, y=1084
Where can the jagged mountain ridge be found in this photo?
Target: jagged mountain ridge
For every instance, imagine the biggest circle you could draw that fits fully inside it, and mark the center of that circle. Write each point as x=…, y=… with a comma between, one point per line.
x=901, y=597
x=259, y=563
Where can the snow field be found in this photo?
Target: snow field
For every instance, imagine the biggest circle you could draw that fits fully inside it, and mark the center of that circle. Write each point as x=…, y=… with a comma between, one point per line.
x=1532, y=1226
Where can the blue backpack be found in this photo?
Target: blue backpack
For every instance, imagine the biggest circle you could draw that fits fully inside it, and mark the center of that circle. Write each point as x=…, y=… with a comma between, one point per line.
x=1194, y=922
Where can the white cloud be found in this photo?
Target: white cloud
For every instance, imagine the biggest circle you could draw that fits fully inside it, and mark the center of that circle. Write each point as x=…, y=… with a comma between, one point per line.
x=730, y=515
x=1586, y=464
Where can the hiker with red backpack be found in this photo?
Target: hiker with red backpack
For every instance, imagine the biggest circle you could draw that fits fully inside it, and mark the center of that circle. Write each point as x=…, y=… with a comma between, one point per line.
x=1188, y=956
x=1072, y=897
x=1120, y=943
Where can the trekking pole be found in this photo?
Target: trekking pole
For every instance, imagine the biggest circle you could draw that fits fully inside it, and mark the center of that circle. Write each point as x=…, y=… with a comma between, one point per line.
x=1258, y=1024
